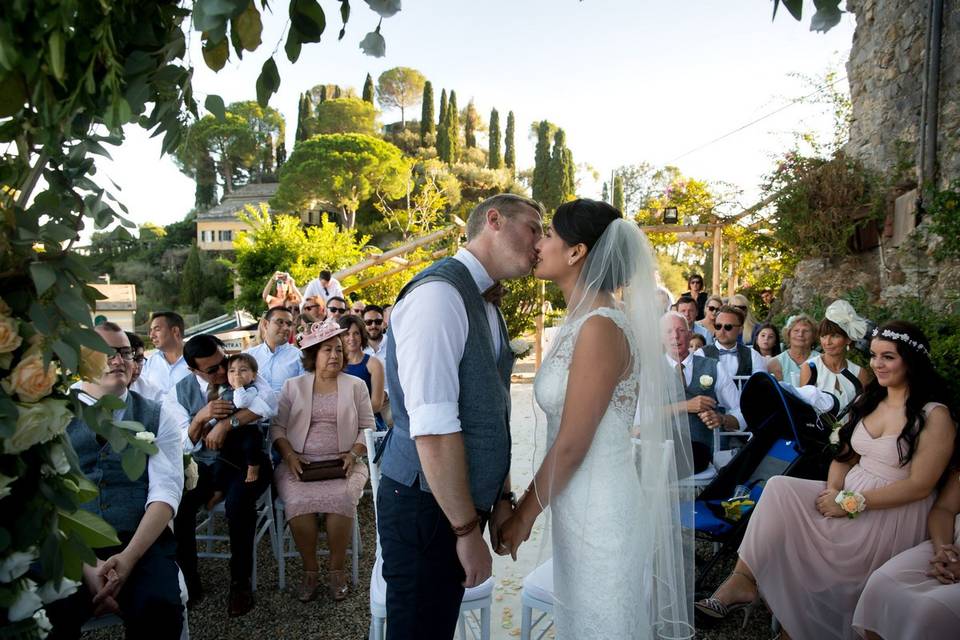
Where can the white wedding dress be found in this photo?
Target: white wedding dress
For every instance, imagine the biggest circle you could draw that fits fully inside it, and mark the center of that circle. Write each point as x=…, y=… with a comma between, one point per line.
x=601, y=549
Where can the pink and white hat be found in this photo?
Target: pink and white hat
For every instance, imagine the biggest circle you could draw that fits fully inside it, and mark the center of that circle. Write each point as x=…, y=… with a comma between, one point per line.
x=319, y=332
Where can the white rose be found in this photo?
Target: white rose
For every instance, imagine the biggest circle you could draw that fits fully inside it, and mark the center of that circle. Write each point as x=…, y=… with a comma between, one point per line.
x=43, y=623
x=26, y=604
x=9, y=335
x=191, y=474
x=30, y=380
x=519, y=346
x=49, y=593
x=36, y=423
x=5, y=490
x=835, y=436
x=59, y=460
x=16, y=564
x=706, y=381
x=145, y=436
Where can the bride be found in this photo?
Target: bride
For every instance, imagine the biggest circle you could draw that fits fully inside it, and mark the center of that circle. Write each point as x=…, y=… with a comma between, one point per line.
x=622, y=565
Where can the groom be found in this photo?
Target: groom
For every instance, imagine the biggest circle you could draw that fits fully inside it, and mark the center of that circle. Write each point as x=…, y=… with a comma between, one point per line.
x=446, y=461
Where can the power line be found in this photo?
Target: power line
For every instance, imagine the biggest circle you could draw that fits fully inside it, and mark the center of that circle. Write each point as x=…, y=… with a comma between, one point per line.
x=753, y=122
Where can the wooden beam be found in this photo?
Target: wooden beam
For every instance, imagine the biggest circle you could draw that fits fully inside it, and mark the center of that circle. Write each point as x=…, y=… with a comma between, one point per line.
x=680, y=228
x=717, y=251
x=386, y=274
x=398, y=251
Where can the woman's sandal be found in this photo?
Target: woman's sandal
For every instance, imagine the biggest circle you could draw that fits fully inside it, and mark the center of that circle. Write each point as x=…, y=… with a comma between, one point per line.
x=309, y=586
x=713, y=609
x=338, y=584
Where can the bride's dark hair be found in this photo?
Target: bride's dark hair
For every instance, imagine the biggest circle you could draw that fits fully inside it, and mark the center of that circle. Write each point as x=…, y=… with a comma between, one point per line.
x=584, y=221
x=924, y=385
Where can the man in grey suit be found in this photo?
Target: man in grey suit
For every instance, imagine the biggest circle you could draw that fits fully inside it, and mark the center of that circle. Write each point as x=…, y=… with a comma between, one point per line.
x=446, y=461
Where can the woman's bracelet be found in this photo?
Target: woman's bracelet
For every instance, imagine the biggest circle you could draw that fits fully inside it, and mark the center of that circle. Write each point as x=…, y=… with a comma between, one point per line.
x=852, y=502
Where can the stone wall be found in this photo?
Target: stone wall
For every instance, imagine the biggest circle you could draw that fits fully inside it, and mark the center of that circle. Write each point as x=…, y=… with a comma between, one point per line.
x=885, y=72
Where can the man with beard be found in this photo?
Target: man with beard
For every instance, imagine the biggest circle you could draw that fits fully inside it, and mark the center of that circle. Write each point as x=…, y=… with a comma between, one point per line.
x=376, y=328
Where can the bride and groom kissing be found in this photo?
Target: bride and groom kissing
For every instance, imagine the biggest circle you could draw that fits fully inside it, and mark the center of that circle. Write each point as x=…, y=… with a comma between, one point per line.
x=607, y=466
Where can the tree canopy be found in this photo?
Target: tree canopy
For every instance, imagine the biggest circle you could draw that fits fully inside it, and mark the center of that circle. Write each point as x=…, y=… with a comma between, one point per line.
x=400, y=88
x=345, y=115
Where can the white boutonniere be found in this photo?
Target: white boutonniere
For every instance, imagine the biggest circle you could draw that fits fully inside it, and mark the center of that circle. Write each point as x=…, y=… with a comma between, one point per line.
x=145, y=436
x=520, y=347
x=706, y=381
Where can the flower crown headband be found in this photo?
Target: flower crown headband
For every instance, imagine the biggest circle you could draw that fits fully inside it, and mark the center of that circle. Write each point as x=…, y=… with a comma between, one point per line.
x=900, y=337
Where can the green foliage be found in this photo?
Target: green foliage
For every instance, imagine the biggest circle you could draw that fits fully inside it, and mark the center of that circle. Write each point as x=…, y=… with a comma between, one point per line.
x=343, y=170
x=826, y=17
x=192, y=290
x=943, y=207
x=442, y=114
x=400, y=88
x=269, y=130
x=618, y=201
x=494, y=161
x=345, y=115
x=427, y=127
x=509, y=144
x=541, y=167
x=605, y=194
x=477, y=182
x=368, y=89
x=448, y=133
x=560, y=174
x=230, y=143
x=471, y=122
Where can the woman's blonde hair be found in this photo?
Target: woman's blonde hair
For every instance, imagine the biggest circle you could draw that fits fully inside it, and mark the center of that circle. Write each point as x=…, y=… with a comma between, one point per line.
x=749, y=322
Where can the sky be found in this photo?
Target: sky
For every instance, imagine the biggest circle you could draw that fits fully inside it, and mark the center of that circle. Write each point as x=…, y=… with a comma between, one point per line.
x=629, y=81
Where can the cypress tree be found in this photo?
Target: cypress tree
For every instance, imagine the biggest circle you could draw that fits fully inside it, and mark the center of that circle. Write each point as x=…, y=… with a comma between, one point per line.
x=323, y=93
x=493, y=156
x=618, y=193
x=427, y=127
x=556, y=188
x=570, y=175
x=300, y=117
x=469, y=126
x=205, y=195
x=605, y=194
x=509, y=151
x=308, y=116
x=541, y=163
x=368, y=89
x=442, y=115
x=453, y=128
x=192, y=279
x=337, y=93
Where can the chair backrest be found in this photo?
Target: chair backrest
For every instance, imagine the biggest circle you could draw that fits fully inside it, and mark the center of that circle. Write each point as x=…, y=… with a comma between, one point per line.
x=372, y=439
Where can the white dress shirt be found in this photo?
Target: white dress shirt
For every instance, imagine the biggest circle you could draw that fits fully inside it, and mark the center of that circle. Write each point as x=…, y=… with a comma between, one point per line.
x=173, y=415
x=277, y=366
x=147, y=390
x=161, y=374
x=728, y=395
x=430, y=328
x=380, y=353
x=332, y=290
x=164, y=468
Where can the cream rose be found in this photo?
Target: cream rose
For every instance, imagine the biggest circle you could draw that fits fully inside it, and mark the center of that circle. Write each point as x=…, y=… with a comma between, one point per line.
x=145, y=436
x=36, y=423
x=92, y=364
x=706, y=381
x=30, y=380
x=191, y=474
x=59, y=460
x=9, y=334
x=835, y=436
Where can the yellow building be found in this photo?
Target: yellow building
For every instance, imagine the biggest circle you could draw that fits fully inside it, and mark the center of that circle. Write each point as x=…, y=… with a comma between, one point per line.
x=119, y=306
x=218, y=227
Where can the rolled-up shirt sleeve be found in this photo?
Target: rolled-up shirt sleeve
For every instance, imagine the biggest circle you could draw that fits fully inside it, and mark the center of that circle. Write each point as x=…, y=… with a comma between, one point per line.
x=265, y=403
x=174, y=416
x=165, y=468
x=430, y=331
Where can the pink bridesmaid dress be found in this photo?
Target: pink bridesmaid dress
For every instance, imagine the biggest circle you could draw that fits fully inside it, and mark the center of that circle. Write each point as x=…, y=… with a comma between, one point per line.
x=811, y=569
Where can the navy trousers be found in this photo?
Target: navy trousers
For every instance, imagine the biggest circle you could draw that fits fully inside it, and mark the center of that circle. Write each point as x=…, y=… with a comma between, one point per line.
x=149, y=600
x=420, y=564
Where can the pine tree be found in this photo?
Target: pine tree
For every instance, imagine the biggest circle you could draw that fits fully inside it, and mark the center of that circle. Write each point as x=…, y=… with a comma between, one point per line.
x=368, y=89
x=191, y=283
x=427, y=128
x=453, y=128
x=442, y=115
x=470, y=119
x=494, y=160
x=509, y=151
x=541, y=163
x=618, y=193
x=605, y=194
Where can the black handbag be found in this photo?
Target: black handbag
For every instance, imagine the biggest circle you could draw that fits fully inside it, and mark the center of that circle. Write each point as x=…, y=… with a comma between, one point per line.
x=323, y=470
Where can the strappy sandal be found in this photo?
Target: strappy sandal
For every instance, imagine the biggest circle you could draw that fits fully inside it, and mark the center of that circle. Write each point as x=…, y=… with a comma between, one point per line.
x=339, y=588
x=309, y=586
x=713, y=609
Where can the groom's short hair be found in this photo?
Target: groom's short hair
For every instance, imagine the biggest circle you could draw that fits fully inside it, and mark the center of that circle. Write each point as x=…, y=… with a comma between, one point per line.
x=506, y=203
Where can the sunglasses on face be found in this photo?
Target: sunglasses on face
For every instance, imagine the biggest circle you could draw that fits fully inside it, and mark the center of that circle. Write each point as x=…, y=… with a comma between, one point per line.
x=713, y=309
x=215, y=368
x=376, y=323
x=126, y=353
x=311, y=307
x=726, y=327
x=336, y=310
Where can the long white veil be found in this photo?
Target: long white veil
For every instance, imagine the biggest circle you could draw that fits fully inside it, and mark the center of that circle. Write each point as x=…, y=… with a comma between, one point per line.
x=620, y=273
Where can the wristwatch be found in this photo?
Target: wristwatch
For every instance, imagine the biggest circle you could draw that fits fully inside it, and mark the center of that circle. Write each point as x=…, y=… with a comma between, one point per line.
x=234, y=422
x=510, y=496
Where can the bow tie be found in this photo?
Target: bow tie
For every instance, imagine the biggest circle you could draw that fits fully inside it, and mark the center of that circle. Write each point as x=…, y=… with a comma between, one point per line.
x=727, y=351
x=495, y=294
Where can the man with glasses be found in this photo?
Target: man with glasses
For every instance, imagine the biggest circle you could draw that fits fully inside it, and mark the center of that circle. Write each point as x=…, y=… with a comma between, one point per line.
x=277, y=359
x=137, y=382
x=736, y=359
x=190, y=406
x=695, y=283
x=312, y=310
x=336, y=308
x=376, y=338
x=138, y=579
x=166, y=367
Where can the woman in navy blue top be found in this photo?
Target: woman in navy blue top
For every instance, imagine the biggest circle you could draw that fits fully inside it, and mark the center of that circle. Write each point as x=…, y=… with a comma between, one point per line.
x=361, y=365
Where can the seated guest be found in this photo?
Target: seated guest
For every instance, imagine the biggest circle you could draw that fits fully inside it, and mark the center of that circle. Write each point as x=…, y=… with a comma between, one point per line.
x=362, y=365
x=696, y=342
x=708, y=389
x=687, y=307
x=916, y=595
x=736, y=359
x=750, y=325
x=281, y=291
x=138, y=383
x=801, y=333
x=336, y=308
x=277, y=359
x=695, y=284
x=321, y=417
x=190, y=407
x=711, y=309
x=139, y=580
x=312, y=310
x=766, y=300
x=830, y=371
x=373, y=320
x=767, y=342
x=356, y=309
x=810, y=546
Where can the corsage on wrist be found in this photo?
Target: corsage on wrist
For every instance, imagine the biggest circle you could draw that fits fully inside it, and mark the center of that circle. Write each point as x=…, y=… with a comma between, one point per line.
x=852, y=502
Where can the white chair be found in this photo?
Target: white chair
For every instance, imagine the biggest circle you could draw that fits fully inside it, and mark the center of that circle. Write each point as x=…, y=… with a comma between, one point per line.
x=476, y=599
x=287, y=549
x=265, y=525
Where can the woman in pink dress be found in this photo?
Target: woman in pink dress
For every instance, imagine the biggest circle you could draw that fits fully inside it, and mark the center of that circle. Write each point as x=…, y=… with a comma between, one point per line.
x=810, y=546
x=916, y=596
x=321, y=416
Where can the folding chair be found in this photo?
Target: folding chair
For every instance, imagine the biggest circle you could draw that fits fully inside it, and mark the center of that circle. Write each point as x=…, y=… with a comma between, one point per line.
x=287, y=549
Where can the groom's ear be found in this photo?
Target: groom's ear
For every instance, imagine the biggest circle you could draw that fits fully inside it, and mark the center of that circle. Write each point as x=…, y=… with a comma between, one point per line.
x=494, y=218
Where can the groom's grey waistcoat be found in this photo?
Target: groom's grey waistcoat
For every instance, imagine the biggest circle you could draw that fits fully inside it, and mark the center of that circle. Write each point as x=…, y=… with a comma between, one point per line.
x=484, y=402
